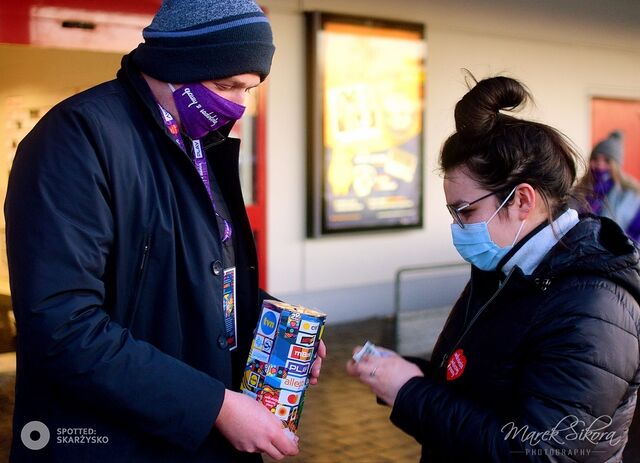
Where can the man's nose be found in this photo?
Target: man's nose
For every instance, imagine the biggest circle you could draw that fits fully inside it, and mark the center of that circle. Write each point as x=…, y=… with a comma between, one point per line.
x=238, y=97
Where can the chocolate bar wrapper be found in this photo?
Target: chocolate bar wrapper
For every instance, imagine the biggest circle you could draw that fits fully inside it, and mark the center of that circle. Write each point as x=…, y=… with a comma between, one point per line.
x=282, y=352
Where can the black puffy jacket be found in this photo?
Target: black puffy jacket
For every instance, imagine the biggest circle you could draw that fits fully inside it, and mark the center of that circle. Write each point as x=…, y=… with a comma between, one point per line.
x=556, y=351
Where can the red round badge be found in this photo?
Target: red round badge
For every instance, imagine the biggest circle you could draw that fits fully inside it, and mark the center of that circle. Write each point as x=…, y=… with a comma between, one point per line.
x=456, y=365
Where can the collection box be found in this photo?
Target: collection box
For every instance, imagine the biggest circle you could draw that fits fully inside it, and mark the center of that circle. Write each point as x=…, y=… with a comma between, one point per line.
x=279, y=364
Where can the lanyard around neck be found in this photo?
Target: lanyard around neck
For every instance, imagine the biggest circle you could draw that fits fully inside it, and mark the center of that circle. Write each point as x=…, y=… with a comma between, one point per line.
x=199, y=161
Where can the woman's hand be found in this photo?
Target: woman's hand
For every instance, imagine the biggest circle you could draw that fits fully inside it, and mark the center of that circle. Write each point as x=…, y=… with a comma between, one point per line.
x=384, y=374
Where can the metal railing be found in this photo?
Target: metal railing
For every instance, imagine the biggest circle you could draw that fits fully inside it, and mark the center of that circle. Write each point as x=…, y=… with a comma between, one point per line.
x=397, y=288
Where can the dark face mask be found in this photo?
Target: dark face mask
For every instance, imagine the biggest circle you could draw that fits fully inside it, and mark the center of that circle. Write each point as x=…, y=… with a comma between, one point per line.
x=602, y=181
x=202, y=111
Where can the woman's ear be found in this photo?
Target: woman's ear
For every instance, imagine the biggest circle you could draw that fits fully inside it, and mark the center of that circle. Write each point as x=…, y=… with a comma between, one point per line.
x=525, y=200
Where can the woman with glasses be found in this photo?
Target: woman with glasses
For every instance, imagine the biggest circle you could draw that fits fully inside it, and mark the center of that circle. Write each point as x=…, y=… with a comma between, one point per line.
x=539, y=359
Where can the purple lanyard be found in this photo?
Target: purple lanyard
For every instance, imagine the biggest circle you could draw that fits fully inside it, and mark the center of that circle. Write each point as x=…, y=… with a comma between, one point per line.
x=199, y=161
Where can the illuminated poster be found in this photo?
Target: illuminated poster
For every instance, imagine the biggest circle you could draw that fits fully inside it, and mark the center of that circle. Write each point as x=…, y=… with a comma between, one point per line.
x=366, y=120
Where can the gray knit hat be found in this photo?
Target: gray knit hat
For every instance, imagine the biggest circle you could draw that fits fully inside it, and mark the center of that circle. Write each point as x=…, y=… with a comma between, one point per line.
x=197, y=40
x=612, y=147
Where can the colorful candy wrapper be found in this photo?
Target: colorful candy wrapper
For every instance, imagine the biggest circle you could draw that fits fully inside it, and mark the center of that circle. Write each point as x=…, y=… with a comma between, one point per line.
x=279, y=364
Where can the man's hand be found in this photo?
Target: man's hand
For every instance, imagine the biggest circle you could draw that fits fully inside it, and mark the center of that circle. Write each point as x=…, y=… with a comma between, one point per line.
x=250, y=427
x=317, y=365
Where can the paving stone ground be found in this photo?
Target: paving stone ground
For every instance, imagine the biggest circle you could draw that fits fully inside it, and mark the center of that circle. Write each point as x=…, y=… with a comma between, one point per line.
x=341, y=421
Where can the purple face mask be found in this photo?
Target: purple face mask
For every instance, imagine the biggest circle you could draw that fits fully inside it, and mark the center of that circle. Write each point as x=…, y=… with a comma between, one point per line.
x=602, y=181
x=202, y=110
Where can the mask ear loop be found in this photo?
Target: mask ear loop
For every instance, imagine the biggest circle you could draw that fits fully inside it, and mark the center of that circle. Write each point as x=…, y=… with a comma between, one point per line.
x=501, y=205
x=518, y=234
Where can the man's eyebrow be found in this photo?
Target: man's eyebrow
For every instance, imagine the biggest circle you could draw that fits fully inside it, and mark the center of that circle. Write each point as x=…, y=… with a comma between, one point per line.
x=235, y=82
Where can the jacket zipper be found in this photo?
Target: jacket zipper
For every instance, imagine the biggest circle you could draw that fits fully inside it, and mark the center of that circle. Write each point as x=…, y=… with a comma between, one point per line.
x=473, y=320
x=141, y=271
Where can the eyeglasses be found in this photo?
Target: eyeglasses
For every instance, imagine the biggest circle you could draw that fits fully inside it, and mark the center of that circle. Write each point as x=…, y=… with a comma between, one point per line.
x=455, y=210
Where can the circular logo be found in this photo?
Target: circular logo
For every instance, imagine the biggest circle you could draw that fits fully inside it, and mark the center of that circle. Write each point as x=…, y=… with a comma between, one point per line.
x=456, y=366
x=269, y=321
x=35, y=435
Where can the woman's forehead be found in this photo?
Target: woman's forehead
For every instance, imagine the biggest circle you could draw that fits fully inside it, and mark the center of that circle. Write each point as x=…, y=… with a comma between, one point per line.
x=459, y=186
x=459, y=178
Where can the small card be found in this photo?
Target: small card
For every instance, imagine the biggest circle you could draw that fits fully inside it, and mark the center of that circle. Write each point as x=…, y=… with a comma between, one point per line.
x=369, y=348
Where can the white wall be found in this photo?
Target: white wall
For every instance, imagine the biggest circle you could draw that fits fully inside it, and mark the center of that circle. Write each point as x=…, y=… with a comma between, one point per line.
x=564, y=50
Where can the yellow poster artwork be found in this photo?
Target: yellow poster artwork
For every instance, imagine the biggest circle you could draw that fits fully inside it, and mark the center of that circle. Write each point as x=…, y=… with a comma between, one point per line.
x=373, y=99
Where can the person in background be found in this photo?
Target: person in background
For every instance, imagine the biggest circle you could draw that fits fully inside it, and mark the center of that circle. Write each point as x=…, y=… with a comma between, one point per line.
x=133, y=268
x=539, y=359
x=609, y=191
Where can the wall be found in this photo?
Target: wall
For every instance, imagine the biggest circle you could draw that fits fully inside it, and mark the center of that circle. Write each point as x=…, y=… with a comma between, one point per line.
x=565, y=51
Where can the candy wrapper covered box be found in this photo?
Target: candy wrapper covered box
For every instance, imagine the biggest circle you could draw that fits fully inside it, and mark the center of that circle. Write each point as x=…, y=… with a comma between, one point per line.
x=279, y=364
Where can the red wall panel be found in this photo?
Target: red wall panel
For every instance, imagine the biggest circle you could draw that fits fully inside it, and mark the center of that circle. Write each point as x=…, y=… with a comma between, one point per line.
x=608, y=115
x=14, y=14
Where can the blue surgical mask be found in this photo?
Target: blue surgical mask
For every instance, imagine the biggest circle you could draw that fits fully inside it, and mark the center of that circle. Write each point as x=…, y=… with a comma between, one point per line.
x=475, y=245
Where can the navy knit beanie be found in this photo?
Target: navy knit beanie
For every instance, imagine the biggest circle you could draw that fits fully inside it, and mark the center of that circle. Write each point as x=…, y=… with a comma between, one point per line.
x=612, y=147
x=198, y=40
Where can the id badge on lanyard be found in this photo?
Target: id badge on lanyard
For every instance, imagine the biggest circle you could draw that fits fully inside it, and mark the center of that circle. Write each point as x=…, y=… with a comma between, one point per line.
x=229, y=307
x=229, y=275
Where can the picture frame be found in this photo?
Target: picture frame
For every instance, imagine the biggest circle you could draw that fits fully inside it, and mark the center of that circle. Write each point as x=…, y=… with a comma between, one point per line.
x=365, y=116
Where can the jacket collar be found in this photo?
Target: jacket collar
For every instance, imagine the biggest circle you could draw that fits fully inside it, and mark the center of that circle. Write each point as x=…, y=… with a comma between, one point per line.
x=596, y=246
x=531, y=253
x=130, y=76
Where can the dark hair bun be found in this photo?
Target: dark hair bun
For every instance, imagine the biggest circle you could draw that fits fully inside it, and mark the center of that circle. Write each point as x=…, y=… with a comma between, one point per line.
x=477, y=112
x=499, y=151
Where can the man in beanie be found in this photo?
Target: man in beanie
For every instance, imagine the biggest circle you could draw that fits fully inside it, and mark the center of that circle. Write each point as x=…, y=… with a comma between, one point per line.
x=125, y=227
x=611, y=192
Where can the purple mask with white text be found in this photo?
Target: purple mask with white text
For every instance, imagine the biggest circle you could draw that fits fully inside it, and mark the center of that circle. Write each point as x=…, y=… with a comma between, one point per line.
x=202, y=110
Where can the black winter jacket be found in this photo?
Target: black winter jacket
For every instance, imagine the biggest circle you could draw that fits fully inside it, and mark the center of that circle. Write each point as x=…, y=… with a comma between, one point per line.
x=114, y=257
x=556, y=351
